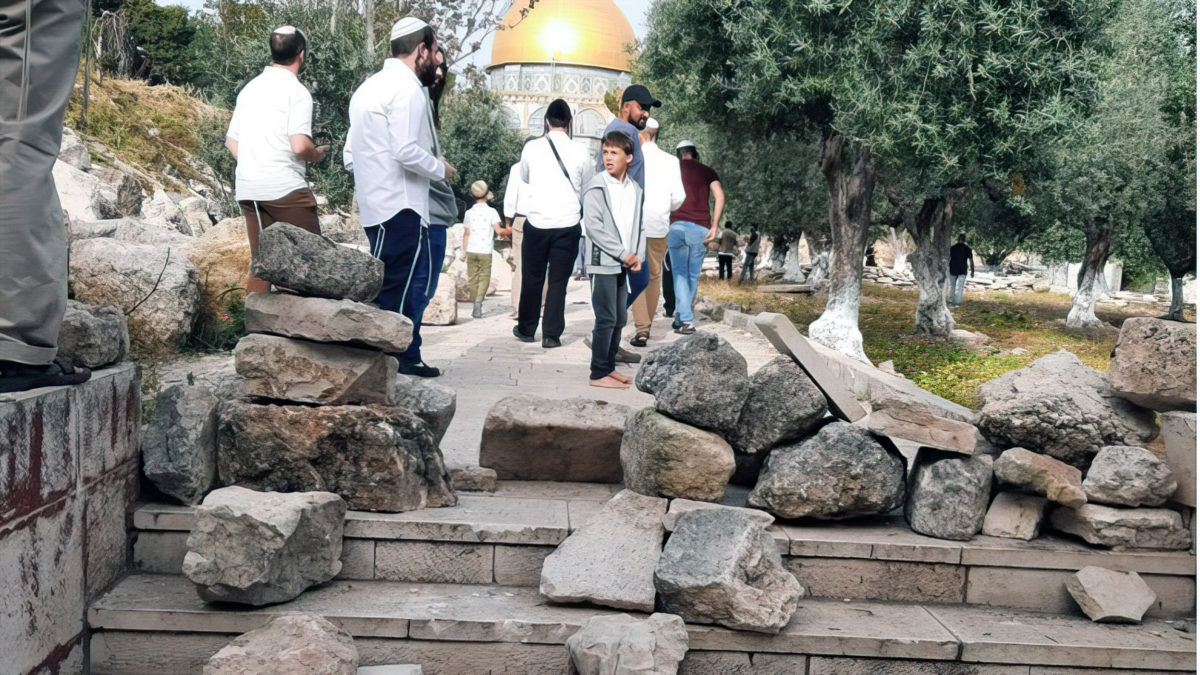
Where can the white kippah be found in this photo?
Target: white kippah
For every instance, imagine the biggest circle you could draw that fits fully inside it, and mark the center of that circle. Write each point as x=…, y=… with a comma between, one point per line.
x=285, y=30
x=406, y=26
x=651, y=124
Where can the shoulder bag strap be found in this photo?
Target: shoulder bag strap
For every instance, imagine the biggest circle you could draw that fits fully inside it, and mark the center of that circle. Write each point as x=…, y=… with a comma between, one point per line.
x=562, y=166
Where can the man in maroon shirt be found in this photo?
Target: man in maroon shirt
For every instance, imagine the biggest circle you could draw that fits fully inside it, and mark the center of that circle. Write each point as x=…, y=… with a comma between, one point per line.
x=691, y=229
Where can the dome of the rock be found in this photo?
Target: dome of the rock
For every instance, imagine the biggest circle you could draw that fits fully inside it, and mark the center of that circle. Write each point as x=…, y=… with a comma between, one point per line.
x=579, y=32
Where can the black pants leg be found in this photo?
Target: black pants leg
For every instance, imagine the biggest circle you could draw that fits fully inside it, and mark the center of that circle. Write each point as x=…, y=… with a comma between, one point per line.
x=609, y=295
x=547, y=257
x=535, y=250
x=668, y=287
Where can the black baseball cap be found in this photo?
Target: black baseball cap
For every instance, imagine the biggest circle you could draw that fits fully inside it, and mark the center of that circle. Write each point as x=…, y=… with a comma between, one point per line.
x=636, y=92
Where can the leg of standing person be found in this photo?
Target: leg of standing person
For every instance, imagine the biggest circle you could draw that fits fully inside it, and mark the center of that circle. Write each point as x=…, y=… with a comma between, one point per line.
x=694, y=237
x=518, y=238
x=646, y=304
x=605, y=309
x=747, y=268
x=397, y=242
x=416, y=301
x=668, y=286
x=959, y=282
x=752, y=261
x=561, y=258
x=535, y=257
x=681, y=260
x=621, y=302
x=437, y=253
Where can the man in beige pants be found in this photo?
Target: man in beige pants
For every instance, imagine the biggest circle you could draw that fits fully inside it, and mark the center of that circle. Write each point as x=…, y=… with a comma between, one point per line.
x=664, y=193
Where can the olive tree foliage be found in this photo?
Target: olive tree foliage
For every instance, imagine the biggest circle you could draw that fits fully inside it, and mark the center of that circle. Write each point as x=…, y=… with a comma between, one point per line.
x=944, y=93
x=476, y=140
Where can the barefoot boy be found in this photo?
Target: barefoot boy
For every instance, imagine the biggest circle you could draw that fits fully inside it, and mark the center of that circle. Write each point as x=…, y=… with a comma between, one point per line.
x=616, y=244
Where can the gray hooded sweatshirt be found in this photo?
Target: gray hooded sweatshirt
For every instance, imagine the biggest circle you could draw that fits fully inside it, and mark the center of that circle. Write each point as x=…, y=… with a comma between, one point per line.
x=604, y=253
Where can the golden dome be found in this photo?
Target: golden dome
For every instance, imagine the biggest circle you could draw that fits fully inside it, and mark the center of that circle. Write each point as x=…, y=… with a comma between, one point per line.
x=580, y=32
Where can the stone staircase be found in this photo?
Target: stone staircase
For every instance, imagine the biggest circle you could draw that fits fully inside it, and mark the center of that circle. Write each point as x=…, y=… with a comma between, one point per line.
x=455, y=589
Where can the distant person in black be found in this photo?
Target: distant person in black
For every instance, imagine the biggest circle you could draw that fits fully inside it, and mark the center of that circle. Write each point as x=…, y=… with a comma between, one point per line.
x=751, y=255
x=960, y=257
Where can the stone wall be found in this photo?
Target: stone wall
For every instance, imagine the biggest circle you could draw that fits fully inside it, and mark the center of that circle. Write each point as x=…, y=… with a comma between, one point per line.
x=68, y=474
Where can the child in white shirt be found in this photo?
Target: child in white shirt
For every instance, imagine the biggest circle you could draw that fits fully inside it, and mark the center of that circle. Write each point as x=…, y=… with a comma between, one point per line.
x=481, y=224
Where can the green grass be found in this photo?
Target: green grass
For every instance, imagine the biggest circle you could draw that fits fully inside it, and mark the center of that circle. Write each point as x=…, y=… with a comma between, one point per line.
x=945, y=367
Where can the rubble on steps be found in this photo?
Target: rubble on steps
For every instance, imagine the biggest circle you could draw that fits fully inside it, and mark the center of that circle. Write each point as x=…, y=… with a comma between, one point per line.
x=292, y=644
x=619, y=644
x=661, y=457
x=1107, y=596
x=179, y=445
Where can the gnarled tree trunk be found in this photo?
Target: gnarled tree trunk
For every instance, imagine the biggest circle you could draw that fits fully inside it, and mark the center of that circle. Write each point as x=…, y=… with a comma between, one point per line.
x=850, y=196
x=1176, y=312
x=1083, y=307
x=930, y=229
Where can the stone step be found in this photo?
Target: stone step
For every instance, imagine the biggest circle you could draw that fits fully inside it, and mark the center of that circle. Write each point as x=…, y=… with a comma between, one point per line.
x=503, y=537
x=156, y=623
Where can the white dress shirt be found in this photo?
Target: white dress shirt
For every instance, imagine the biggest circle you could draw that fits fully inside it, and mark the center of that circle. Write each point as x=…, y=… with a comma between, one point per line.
x=664, y=190
x=622, y=198
x=270, y=109
x=553, y=201
x=514, y=193
x=389, y=145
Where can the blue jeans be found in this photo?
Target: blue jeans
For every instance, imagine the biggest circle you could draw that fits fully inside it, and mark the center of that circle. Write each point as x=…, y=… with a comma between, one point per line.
x=958, y=282
x=402, y=243
x=437, y=255
x=685, y=246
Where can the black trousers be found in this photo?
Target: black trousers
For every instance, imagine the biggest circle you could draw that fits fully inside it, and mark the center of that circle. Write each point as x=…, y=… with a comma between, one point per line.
x=668, y=287
x=748, y=267
x=724, y=266
x=547, y=257
x=609, y=296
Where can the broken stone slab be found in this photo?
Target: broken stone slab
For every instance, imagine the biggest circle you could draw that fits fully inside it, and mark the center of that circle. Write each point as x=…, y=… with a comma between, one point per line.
x=681, y=506
x=376, y=458
x=432, y=401
x=1107, y=596
x=260, y=548
x=1013, y=515
x=782, y=334
x=610, y=560
x=292, y=643
x=918, y=425
x=1122, y=529
x=1061, y=407
x=1179, y=439
x=328, y=320
x=661, y=457
x=294, y=258
x=722, y=566
x=572, y=440
x=443, y=308
x=1040, y=474
x=619, y=644
x=948, y=494
x=286, y=369
x=783, y=406
x=1122, y=475
x=1150, y=364
x=841, y=472
x=179, y=445
x=473, y=479
x=699, y=379
x=91, y=336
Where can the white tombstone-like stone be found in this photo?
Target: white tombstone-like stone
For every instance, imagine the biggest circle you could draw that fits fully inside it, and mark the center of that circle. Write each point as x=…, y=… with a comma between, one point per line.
x=1015, y=516
x=1111, y=597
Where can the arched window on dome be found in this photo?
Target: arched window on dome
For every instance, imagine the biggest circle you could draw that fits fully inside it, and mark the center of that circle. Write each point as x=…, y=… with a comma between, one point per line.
x=537, y=120
x=589, y=124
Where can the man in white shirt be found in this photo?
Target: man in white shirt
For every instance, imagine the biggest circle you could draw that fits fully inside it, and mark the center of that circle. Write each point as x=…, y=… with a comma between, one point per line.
x=664, y=194
x=555, y=169
x=390, y=149
x=270, y=137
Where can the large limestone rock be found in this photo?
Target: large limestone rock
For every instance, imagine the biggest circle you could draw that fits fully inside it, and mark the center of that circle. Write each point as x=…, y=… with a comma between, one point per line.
x=721, y=566
x=293, y=258
x=917, y=425
x=574, y=440
x=260, y=548
x=162, y=209
x=157, y=288
x=443, y=308
x=433, y=402
x=1127, y=476
x=1057, y=481
x=1179, y=439
x=610, y=560
x=327, y=320
x=1107, y=596
x=1152, y=364
x=662, y=457
x=292, y=644
x=179, y=446
x=128, y=186
x=93, y=336
x=948, y=494
x=679, y=507
x=1013, y=515
x=783, y=406
x=1122, y=529
x=194, y=211
x=73, y=151
x=841, y=472
x=619, y=644
x=84, y=196
x=313, y=372
x=699, y=379
x=1061, y=407
x=376, y=458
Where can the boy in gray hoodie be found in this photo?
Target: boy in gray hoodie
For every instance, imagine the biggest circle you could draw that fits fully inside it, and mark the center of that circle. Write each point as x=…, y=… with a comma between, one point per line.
x=615, y=245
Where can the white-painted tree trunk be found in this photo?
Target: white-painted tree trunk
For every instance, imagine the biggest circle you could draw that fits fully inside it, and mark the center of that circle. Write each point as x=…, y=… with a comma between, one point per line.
x=930, y=229
x=1083, y=306
x=900, y=263
x=791, y=265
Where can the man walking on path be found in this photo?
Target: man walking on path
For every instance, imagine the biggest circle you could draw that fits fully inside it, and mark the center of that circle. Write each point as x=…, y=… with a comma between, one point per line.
x=555, y=169
x=692, y=227
x=960, y=257
x=751, y=260
x=481, y=226
x=663, y=194
x=40, y=44
x=270, y=138
x=392, y=150
x=727, y=252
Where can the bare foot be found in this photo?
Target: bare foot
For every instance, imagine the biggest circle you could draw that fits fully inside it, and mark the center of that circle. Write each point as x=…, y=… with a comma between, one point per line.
x=621, y=378
x=608, y=382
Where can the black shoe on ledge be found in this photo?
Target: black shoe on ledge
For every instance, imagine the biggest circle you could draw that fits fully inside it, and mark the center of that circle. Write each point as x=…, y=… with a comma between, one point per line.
x=521, y=336
x=420, y=369
x=22, y=377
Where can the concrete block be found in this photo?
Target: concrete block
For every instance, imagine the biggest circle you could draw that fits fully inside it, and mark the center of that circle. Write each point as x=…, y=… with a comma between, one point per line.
x=358, y=559
x=106, y=504
x=131, y=653
x=519, y=565
x=1179, y=437
x=474, y=519
x=108, y=432
x=437, y=656
x=433, y=562
x=717, y=663
x=841, y=578
x=38, y=452
x=159, y=552
x=1045, y=591
x=779, y=664
x=834, y=665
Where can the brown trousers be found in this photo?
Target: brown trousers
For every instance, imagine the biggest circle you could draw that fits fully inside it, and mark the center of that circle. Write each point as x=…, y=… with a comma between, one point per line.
x=297, y=208
x=647, y=303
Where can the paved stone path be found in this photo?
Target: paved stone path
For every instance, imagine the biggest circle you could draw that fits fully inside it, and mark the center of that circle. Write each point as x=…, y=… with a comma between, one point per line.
x=484, y=363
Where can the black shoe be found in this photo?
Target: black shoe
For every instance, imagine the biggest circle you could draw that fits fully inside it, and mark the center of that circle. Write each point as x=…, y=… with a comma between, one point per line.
x=685, y=329
x=521, y=336
x=551, y=343
x=676, y=324
x=420, y=369
x=640, y=339
x=626, y=356
x=22, y=377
